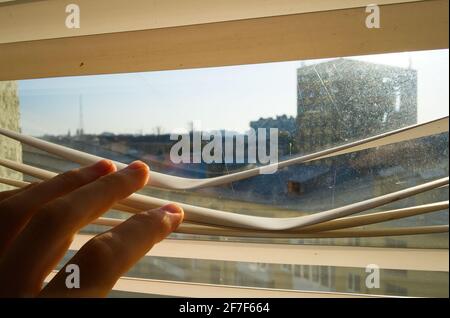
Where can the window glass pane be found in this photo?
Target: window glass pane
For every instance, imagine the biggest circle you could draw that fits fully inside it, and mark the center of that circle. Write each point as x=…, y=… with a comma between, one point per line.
x=314, y=105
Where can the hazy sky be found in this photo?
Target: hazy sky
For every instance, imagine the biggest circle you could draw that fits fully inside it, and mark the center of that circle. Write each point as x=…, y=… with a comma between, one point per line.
x=221, y=98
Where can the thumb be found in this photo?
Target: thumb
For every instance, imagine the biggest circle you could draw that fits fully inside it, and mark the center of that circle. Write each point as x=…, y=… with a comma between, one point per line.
x=106, y=257
x=169, y=218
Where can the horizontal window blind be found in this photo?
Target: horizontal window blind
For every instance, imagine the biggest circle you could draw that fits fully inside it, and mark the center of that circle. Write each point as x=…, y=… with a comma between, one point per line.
x=187, y=289
x=318, y=225
x=406, y=27
x=39, y=20
x=217, y=222
x=388, y=258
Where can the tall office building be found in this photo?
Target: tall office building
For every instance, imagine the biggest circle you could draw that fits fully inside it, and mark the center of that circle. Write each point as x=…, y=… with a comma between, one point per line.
x=343, y=100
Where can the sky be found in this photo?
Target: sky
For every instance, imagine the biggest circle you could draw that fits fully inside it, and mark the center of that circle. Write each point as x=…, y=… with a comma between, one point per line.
x=219, y=98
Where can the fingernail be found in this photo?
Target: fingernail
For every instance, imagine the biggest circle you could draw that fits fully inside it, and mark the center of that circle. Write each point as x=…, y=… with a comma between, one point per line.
x=172, y=208
x=174, y=213
x=103, y=166
x=136, y=165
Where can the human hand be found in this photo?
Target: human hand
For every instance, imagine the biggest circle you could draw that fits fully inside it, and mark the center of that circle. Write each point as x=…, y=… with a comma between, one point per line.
x=38, y=224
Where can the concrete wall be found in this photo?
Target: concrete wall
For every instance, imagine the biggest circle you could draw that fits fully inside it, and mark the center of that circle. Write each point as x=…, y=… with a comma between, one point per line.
x=10, y=119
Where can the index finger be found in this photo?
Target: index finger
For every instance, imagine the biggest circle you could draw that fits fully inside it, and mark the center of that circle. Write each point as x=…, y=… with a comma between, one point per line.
x=18, y=209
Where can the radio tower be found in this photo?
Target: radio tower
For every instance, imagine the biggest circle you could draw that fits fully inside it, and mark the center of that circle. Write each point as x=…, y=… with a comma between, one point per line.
x=80, y=130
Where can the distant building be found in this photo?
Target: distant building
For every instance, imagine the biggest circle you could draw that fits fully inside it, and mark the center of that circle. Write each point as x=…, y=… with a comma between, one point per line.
x=287, y=132
x=283, y=123
x=9, y=119
x=343, y=100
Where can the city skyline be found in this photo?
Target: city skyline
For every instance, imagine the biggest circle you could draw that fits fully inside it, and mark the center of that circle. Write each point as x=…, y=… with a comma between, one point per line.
x=221, y=98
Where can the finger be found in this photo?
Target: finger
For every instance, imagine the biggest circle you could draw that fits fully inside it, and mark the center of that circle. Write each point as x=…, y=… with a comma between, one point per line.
x=18, y=209
x=6, y=194
x=49, y=233
x=106, y=257
x=9, y=193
